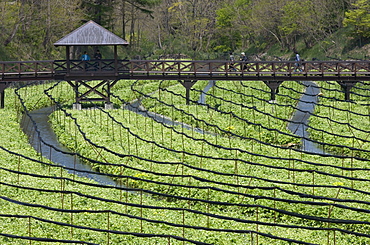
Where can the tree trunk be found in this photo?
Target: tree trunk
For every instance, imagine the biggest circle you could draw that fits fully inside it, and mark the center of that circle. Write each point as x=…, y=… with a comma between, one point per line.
x=12, y=35
x=123, y=12
x=132, y=27
x=15, y=29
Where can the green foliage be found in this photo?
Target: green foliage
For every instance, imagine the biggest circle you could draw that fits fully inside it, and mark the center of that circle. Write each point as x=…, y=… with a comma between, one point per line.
x=226, y=106
x=168, y=145
x=350, y=127
x=359, y=17
x=99, y=11
x=171, y=160
x=294, y=17
x=230, y=36
x=199, y=29
x=31, y=29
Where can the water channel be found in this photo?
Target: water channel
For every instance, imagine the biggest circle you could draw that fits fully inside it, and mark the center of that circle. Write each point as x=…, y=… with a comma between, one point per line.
x=300, y=118
x=37, y=127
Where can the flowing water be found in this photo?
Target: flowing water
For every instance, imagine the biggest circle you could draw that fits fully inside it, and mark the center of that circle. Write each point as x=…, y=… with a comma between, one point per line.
x=138, y=108
x=38, y=121
x=300, y=118
x=202, y=99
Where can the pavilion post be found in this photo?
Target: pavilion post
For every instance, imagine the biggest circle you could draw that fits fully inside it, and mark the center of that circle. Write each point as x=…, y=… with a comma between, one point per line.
x=68, y=59
x=115, y=59
x=346, y=88
x=188, y=84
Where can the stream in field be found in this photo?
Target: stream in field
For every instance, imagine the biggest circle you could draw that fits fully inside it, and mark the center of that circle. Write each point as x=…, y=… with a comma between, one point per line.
x=202, y=99
x=60, y=156
x=40, y=119
x=300, y=118
x=137, y=107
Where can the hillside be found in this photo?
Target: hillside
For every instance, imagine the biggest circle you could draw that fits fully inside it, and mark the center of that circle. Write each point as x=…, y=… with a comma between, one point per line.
x=208, y=29
x=336, y=47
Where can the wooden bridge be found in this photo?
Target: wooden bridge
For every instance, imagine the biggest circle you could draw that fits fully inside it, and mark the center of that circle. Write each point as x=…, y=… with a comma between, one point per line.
x=15, y=71
x=273, y=73
x=78, y=73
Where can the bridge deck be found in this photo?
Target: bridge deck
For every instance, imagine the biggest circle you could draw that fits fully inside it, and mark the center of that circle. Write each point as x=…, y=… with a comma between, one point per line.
x=184, y=70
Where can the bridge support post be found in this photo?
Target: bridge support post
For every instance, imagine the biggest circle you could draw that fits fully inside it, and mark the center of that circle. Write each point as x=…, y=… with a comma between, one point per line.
x=101, y=93
x=3, y=86
x=108, y=106
x=274, y=87
x=2, y=99
x=346, y=88
x=188, y=84
x=77, y=106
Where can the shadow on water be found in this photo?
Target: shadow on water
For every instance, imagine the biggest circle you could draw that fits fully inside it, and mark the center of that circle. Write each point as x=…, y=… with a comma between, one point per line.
x=40, y=120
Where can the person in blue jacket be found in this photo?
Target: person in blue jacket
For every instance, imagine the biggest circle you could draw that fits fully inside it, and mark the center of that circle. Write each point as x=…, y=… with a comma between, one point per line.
x=85, y=56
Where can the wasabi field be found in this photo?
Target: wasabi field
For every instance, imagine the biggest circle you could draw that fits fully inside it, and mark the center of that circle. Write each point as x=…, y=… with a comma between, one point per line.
x=224, y=170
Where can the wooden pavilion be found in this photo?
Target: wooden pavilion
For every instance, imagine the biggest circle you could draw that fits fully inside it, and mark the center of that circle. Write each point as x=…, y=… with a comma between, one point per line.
x=80, y=72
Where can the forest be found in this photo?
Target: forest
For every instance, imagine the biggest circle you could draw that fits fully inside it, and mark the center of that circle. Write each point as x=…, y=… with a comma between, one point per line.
x=198, y=29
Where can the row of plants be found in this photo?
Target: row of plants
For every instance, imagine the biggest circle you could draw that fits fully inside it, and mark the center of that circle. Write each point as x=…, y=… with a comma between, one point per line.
x=225, y=110
x=41, y=203
x=209, y=187
x=343, y=125
x=192, y=169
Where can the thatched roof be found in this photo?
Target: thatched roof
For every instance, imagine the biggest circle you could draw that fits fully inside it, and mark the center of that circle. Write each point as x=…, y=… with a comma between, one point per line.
x=91, y=34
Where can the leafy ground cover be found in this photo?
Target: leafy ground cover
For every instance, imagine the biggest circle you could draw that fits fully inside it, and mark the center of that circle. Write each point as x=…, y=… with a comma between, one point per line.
x=350, y=134
x=228, y=177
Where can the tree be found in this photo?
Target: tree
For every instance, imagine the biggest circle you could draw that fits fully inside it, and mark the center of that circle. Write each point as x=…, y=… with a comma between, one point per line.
x=11, y=18
x=130, y=15
x=233, y=26
x=35, y=25
x=359, y=18
x=189, y=23
x=265, y=19
x=100, y=11
x=297, y=21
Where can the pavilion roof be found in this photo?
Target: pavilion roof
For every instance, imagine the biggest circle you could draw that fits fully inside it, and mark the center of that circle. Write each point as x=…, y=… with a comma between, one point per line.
x=91, y=34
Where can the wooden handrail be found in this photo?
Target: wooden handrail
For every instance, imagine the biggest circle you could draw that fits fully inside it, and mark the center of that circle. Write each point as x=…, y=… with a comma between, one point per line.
x=185, y=69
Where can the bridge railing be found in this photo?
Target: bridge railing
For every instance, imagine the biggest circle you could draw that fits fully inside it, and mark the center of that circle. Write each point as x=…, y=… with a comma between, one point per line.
x=183, y=69
x=258, y=68
x=26, y=69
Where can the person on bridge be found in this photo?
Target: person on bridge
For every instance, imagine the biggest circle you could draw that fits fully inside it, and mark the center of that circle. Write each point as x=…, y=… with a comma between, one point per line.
x=85, y=57
x=97, y=55
x=298, y=62
x=232, y=62
x=244, y=58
